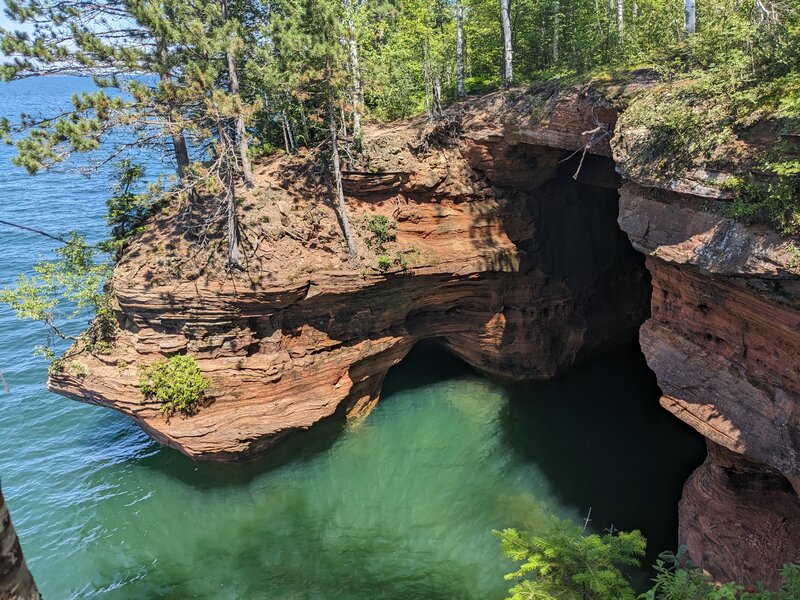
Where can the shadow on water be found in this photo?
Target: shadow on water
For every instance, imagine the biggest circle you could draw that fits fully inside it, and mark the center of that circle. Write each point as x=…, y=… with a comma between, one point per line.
x=295, y=449
x=598, y=433
x=428, y=363
x=603, y=440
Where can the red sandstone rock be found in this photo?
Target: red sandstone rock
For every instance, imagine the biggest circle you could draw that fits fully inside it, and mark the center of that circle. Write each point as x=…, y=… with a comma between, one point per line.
x=516, y=268
x=723, y=340
x=494, y=272
x=740, y=519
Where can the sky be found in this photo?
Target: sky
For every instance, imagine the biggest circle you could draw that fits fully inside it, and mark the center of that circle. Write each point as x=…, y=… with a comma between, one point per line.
x=7, y=23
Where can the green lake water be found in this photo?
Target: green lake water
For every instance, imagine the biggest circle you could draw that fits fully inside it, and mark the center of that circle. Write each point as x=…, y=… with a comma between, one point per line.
x=398, y=505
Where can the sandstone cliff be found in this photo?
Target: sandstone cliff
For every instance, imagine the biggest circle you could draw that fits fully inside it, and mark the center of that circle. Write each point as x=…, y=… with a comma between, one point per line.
x=508, y=252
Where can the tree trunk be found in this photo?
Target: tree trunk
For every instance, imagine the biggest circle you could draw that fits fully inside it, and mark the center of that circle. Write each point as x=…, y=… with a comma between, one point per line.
x=304, y=123
x=178, y=139
x=337, y=172
x=689, y=16
x=427, y=79
x=620, y=20
x=766, y=13
x=461, y=91
x=356, y=92
x=241, y=131
x=226, y=173
x=16, y=582
x=292, y=143
x=508, y=52
x=285, y=137
x=234, y=253
x=555, y=31
x=437, y=97
x=181, y=155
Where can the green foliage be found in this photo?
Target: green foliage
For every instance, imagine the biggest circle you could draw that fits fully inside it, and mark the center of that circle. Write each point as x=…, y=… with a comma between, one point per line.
x=565, y=562
x=128, y=207
x=382, y=231
x=175, y=382
x=677, y=579
x=672, y=128
x=64, y=288
x=771, y=196
x=384, y=263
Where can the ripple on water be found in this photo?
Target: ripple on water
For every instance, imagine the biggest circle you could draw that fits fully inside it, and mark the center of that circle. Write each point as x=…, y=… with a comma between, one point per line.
x=398, y=505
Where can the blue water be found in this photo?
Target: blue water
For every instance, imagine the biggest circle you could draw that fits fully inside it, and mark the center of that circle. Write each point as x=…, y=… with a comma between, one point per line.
x=400, y=505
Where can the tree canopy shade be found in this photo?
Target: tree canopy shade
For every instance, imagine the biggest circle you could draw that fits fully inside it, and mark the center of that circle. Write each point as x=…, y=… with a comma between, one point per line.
x=256, y=63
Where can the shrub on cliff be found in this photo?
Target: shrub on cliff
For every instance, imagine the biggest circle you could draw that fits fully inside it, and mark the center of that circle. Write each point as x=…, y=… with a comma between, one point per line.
x=177, y=383
x=382, y=230
x=678, y=578
x=564, y=562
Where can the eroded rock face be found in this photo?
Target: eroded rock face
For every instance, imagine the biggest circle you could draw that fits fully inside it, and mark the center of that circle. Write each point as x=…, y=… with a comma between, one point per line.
x=724, y=341
x=513, y=265
x=510, y=255
x=741, y=519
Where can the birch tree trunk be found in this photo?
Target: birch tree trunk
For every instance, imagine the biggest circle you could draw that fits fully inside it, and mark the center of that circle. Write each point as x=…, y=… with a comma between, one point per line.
x=426, y=75
x=620, y=20
x=556, y=17
x=16, y=582
x=508, y=52
x=461, y=91
x=241, y=131
x=337, y=172
x=766, y=13
x=689, y=16
x=357, y=93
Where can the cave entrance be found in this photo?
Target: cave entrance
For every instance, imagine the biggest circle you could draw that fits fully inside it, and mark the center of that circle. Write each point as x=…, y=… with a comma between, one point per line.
x=595, y=437
x=591, y=432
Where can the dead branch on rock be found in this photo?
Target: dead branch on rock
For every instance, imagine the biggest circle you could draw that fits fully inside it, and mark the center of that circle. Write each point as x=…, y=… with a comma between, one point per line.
x=598, y=134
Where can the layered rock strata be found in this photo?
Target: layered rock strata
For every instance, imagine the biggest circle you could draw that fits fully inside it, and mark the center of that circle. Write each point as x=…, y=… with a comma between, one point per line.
x=507, y=251
x=724, y=340
x=500, y=254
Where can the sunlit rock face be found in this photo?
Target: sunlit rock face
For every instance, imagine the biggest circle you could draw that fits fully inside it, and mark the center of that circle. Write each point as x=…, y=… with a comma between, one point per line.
x=723, y=340
x=509, y=261
x=508, y=252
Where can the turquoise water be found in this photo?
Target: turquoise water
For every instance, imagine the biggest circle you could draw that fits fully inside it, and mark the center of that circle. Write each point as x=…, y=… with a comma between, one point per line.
x=398, y=505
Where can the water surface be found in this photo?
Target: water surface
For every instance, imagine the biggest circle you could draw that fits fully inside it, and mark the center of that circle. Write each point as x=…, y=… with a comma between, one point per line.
x=398, y=505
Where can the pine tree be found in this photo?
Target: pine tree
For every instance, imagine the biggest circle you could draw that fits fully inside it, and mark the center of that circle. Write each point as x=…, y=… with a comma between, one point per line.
x=186, y=45
x=565, y=562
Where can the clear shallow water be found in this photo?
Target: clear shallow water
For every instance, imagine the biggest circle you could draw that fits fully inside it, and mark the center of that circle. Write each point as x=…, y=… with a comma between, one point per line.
x=399, y=505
